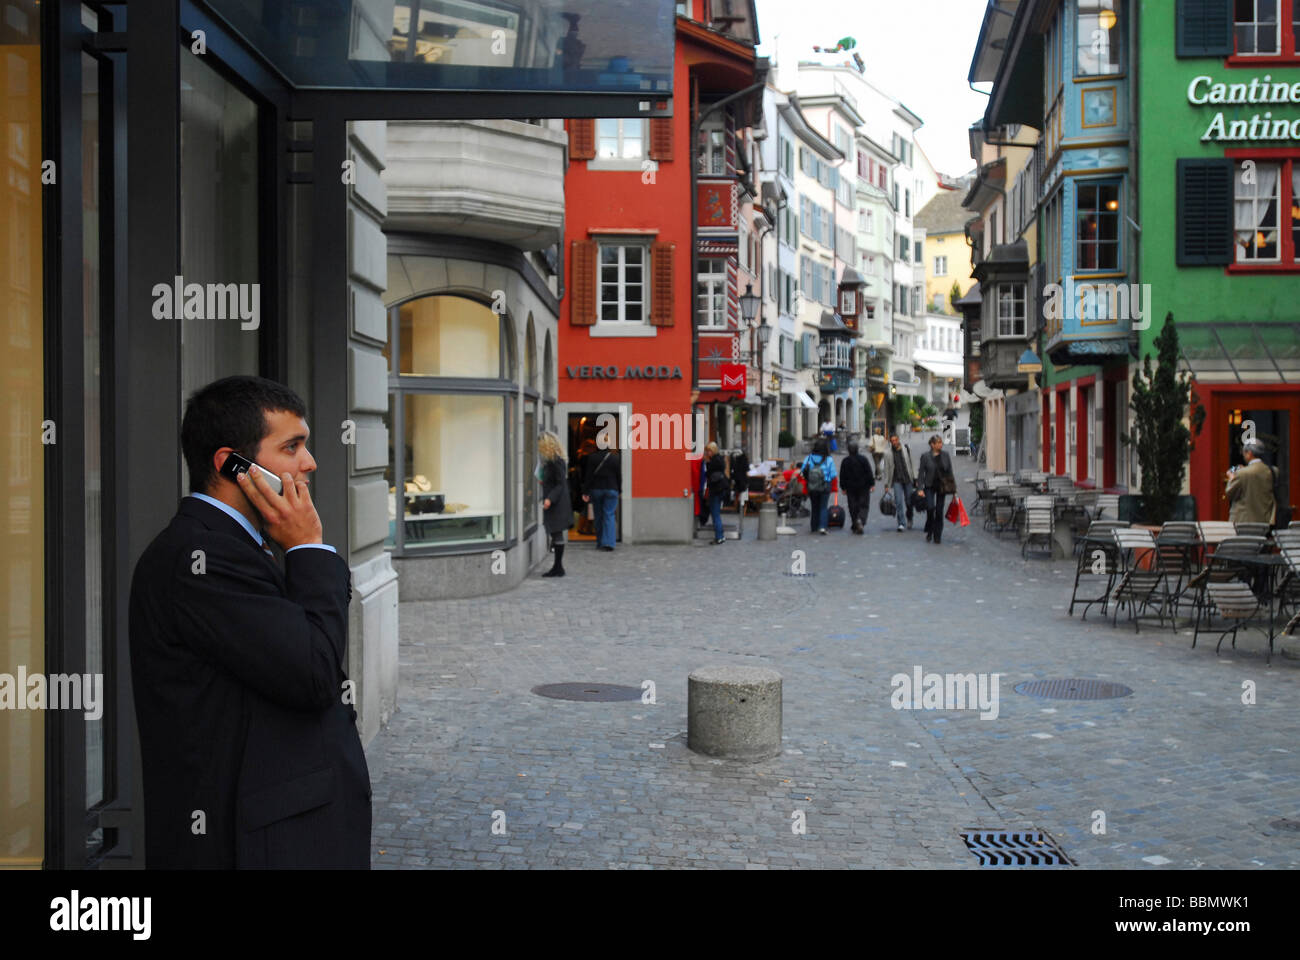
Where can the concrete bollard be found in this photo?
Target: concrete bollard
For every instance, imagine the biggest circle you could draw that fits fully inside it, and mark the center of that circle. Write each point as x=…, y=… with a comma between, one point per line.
x=734, y=712
x=767, y=521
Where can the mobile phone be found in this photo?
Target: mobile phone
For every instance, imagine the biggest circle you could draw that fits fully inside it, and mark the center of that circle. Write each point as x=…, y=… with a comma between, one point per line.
x=235, y=465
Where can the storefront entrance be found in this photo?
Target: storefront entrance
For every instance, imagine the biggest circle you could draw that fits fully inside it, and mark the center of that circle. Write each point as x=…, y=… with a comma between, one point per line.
x=1273, y=416
x=584, y=428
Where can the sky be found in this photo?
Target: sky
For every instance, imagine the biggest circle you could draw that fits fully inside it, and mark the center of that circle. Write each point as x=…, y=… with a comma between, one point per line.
x=918, y=51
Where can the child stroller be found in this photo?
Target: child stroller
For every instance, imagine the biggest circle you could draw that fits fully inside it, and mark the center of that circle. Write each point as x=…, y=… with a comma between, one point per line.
x=790, y=498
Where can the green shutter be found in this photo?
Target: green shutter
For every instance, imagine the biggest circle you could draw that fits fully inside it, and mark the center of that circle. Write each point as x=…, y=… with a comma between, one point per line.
x=1204, y=200
x=1203, y=28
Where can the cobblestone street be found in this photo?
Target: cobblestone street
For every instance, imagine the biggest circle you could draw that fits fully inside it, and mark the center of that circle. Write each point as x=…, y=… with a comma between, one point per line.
x=1185, y=774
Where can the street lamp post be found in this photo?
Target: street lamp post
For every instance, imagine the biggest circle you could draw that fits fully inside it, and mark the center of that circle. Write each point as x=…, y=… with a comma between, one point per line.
x=750, y=303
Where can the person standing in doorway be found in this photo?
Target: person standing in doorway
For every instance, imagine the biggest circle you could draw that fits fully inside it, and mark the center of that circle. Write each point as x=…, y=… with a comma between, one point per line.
x=900, y=477
x=857, y=480
x=818, y=470
x=1250, y=488
x=936, y=482
x=602, y=481
x=557, y=508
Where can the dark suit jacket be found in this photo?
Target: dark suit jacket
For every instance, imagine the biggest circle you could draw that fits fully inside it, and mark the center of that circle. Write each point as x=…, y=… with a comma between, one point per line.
x=238, y=676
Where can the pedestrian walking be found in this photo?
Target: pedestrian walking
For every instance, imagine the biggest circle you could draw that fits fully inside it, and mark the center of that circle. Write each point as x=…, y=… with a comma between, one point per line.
x=818, y=471
x=936, y=482
x=857, y=480
x=717, y=487
x=899, y=475
x=557, y=507
x=828, y=432
x=877, y=446
x=602, y=481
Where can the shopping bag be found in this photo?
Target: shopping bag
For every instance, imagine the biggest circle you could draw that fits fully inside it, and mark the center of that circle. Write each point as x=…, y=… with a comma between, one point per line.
x=957, y=513
x=887, y=503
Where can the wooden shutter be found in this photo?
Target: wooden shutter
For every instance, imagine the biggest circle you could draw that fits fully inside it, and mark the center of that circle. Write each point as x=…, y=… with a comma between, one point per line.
x=661, y=284
x=661, y=139
x=582, y=293
x=1203, y=28
x=1204, y=202
x=582, y=139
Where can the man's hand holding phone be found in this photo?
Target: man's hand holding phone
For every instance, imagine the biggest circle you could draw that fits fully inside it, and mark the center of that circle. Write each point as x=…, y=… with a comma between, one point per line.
x=290, y=519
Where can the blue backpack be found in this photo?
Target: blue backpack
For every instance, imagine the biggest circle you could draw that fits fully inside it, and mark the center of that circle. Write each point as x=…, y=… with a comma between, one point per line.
x=815, y=476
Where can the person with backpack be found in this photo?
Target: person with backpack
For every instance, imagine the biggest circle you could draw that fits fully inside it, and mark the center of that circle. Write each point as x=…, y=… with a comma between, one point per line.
x=602, y=480
x=857, y=480
x=900, y=477
x=717, y=487
x=818, y=471
x=935, y=481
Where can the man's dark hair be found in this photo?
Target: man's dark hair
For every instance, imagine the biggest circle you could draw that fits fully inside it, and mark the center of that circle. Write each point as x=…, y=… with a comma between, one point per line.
x=853, y=446
x=230, y=412
x=821, y=448
x=894, y=436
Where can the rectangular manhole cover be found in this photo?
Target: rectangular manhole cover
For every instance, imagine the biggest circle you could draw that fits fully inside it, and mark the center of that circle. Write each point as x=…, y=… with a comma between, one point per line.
x=1015, y=848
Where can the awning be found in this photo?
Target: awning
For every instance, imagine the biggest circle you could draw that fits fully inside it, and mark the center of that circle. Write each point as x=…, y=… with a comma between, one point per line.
x=941, y=369
x=805, y=400
x=1241, y=352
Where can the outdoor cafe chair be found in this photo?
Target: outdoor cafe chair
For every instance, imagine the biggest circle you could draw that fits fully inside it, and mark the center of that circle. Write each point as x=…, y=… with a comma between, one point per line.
x=1287, y=536
x=1236, y=603
x=1252, y=529
x=1107, y=507
x=1097, y=567
x=1142, y=581
x=1038, y=525
x=1289, y=590
x=1180, y=550
x=1220, y=569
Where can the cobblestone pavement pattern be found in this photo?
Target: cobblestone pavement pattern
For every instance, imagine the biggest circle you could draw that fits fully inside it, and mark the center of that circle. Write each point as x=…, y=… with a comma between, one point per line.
x=1185, y=774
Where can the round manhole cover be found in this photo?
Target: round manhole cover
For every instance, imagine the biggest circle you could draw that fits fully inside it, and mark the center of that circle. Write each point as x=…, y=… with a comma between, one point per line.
x=591, y=692
x=1073, y=689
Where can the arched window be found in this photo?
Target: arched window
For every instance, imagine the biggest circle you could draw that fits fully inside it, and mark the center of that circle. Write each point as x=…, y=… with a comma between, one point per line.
x=530, y=356
x=451, y=409
x=548, y=369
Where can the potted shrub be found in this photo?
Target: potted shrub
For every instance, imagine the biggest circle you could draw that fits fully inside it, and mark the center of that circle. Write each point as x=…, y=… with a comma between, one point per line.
x=784, y=442
x=1161, y=399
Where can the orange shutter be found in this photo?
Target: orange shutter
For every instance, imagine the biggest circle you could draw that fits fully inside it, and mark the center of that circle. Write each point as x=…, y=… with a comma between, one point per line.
x=582, y=293
x=661, y=138
x=661, y=284
x=582, y=139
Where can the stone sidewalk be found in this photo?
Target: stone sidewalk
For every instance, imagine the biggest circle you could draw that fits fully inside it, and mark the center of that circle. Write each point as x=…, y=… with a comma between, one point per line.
x=1184, y=774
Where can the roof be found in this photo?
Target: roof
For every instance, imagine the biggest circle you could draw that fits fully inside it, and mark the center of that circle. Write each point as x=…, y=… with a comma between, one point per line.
x=943, y=214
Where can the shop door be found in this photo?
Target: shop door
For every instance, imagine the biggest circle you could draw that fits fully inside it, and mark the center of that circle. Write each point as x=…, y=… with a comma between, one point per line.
x=584, y=428
x=1274, y=419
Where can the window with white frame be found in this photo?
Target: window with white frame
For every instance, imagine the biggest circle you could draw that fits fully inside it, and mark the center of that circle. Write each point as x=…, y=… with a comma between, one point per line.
x=713, y=149
x=941, y=266
x=1011, y=309
x=624, y=297
x=620, y=138
x=1255, y=208
x=711, y=292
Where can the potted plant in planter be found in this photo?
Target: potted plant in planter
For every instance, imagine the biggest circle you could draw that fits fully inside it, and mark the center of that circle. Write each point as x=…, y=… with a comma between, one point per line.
x=784, y=443
x=1161, y=399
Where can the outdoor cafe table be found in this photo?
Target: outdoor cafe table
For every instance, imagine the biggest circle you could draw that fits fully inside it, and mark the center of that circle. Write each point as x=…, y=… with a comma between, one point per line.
x=1264, y=568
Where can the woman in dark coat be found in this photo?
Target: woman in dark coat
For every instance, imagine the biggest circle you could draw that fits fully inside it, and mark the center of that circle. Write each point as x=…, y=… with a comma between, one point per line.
x=935, y=479
x=557, y=508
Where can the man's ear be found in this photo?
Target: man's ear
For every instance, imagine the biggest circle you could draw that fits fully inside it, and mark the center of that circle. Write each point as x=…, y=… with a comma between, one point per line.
x=219, y=458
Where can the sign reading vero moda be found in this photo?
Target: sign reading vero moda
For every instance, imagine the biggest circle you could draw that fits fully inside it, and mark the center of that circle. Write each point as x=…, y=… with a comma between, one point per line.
x=629, y=372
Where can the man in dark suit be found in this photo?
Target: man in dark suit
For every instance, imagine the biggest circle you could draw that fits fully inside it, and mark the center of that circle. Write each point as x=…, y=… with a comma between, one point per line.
x=250, y=750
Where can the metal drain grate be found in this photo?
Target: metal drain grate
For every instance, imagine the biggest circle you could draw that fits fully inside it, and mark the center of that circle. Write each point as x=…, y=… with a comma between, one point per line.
x=589, y=692
x=1015, y=848
x=1073, y=689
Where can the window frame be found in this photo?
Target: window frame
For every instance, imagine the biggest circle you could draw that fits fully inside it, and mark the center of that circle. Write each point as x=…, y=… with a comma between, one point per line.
x=1117, y=213
x=999, y=319
x=716, y=281
x=623, y=243
x=620, y=162
x=1120, y=29
x=1288, y=160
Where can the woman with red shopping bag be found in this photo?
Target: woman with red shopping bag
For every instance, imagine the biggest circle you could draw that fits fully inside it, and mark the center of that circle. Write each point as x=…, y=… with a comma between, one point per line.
x=935, y=480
